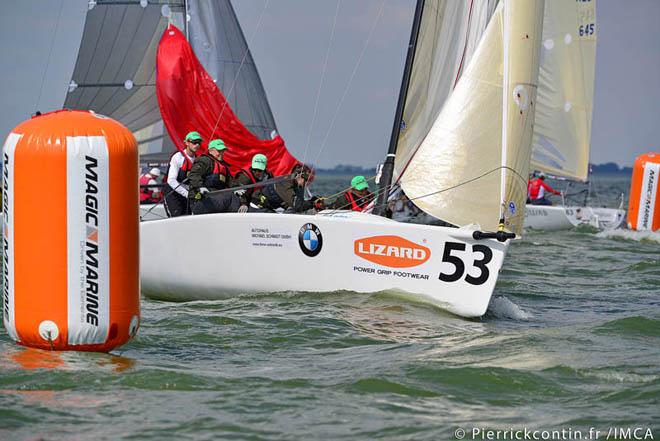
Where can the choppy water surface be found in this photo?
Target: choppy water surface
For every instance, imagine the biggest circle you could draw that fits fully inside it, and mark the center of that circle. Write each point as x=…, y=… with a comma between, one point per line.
x=571, y=340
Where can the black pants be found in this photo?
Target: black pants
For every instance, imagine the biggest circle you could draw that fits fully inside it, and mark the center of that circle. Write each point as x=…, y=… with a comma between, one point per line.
x=176, y=205
x=218, y=203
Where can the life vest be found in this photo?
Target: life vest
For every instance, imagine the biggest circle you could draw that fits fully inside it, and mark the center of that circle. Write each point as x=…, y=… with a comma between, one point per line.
x=354, y=204
x=249, y=174
x=219, y=178
x=536, y=189
x=146, y=193
x=184, y=169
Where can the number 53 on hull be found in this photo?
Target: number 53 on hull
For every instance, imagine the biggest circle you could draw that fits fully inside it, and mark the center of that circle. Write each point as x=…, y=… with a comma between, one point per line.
x=232, y=254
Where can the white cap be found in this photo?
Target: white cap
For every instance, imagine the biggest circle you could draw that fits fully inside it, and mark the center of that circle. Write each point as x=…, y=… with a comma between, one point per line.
x=155, y=172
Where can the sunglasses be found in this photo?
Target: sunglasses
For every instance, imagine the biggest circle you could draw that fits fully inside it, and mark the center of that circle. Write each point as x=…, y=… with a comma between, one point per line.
x=195, y=141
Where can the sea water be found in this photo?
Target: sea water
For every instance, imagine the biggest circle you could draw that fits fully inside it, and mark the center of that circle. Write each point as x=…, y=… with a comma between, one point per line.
x=570, y=345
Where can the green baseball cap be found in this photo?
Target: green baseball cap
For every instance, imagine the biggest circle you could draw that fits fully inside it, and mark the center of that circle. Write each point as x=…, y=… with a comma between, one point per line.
x=217, y=144
x=359, y=183
x=259, y=162
x=193, y=136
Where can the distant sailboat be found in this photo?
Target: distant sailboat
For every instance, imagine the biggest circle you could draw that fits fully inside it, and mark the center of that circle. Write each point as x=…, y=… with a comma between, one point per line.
x=562, y=127
x=473, y=148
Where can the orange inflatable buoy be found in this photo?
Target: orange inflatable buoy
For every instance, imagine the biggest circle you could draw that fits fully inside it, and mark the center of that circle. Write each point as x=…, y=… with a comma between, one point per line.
x=70, y=236
x=644, y=207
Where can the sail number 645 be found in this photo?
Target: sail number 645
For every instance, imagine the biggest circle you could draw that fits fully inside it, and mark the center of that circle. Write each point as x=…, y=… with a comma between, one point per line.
x=459, y=265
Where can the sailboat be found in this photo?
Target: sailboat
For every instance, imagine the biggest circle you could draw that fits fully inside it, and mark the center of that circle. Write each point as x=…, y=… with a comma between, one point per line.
x=467, y=149
x=562, y=127
x=115, y=69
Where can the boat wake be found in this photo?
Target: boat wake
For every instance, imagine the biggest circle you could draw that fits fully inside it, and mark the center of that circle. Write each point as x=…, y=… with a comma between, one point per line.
x=638, y=236
x=501, y=307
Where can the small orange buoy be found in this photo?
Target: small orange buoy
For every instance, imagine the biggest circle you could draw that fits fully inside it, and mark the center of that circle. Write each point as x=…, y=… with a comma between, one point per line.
x=70, y=236
x=644, y=207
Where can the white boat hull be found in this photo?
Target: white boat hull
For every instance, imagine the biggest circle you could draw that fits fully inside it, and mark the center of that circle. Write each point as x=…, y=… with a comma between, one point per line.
x=218, y=256
x=547, y=217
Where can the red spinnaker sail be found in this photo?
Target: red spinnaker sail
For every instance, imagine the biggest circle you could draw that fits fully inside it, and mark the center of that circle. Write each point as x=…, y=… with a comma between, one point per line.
x=190, y=100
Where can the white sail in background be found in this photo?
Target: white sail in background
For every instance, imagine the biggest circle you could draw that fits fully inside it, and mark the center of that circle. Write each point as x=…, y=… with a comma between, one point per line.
x=448, y=36
x=456, y=173
x=562, y=131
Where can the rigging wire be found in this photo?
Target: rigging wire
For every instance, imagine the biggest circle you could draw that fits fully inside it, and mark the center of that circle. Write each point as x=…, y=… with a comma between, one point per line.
x=323, y=72
x=238, y=71
x=460, y=184
x=50, y=51
x=350, y=81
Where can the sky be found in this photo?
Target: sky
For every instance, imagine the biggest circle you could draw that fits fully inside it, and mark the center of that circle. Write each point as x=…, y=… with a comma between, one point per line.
x=343, y=114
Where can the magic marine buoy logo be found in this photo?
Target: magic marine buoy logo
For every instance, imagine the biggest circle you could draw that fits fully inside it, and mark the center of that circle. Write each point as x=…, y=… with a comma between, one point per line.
x=392, y=251
x=91, y=243
x=310, y=240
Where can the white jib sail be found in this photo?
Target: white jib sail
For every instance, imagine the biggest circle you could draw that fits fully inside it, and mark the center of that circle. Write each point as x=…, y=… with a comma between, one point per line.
x=562, y=129
x=448, y=37
x=455, y=173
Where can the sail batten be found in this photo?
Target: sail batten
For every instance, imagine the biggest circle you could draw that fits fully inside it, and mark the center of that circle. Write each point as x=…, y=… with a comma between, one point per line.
x=116, y=63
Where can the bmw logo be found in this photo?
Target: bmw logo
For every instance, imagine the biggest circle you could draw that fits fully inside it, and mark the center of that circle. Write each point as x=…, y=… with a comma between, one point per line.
x=310, y=240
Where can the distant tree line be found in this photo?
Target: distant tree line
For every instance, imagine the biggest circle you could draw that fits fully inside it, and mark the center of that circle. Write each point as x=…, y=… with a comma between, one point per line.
x=343, y=169
x=609, y=167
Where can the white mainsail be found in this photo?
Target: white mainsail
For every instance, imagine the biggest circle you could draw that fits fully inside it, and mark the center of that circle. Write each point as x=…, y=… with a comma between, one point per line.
x=562, y=129
x=448, y=37
x=460, y=173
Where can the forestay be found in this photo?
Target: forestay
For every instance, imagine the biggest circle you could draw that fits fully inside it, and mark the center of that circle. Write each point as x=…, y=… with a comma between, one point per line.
x=562, y=129
x=461, y=173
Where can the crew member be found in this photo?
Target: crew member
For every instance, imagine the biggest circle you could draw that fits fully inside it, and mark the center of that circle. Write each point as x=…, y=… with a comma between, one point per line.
x=536, y=191
x=355, y=198
x=289, y=194
x=148, y=193
x=256, y=173
x=176, y=197
x=210, y=173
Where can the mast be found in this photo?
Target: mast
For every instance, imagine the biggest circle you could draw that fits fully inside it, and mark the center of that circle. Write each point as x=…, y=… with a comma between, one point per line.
x=380, y=206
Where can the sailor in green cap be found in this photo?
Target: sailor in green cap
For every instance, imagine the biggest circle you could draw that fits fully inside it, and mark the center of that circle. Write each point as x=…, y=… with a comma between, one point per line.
x=210, y=173
x=289, y=194
x=356, y=198
x=256, y=173
x=176, y=197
